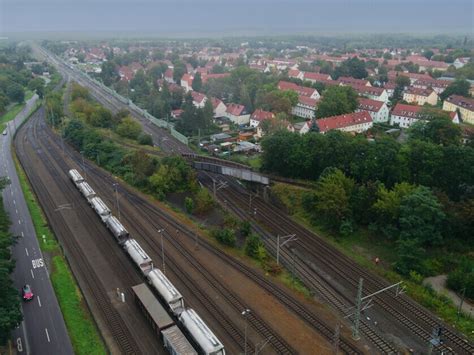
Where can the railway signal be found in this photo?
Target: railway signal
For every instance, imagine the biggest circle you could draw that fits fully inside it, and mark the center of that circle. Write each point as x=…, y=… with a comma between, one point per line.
x=245, y=313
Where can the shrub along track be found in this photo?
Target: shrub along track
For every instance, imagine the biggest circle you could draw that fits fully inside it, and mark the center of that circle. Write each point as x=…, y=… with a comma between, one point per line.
x=407, y=312
x=153, y=214
x=31, y=148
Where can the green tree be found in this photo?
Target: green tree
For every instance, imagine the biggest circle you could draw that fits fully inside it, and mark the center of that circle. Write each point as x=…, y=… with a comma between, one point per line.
x=332, y=198
x=410, y=256
x=78, y=91
x=337, y=100
x=101, y=117
x=438, y=128
x=189, y=205
x=109, y=73
x=37, y=85
x=197, y=82
x=203, y=201
x=421, y=217
x=225, y=236
x=16, y=93
x=457, y=87
x=353, y=67
x=129, y=128
x=428, y=53
x=402, y=81
x=255, y=248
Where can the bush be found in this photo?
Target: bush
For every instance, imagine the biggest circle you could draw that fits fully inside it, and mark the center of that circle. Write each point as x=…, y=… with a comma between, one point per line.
x=189, y=205
x=462, y=277
x=245, y=228
x=225, y=236
x=254, y=248
x=145, y=139
x=129, y=128
x=204, y=201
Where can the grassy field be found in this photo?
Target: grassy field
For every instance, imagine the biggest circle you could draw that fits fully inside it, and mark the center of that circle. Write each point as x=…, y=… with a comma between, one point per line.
x=363, y=247
x=82, y=330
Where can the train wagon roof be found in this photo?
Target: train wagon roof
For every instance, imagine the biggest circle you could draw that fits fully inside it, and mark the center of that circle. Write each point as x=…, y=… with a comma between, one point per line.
x=100, y=205
x=178, y=341
x=86, y=188
x=113, y=222
x=164, y=286
x=136, y=250
x=75, y=175
x=153, y=307
x=200, y=331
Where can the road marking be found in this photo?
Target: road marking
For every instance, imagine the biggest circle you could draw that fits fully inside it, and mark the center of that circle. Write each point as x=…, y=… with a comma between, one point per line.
x=19, y=345
x=19, y=222
x=26, y=250
x=47, y=335
x=39, y=301
x=37, y=263
x=14, y=202
x=22, y=234
x=32, y=275
x=16, y=211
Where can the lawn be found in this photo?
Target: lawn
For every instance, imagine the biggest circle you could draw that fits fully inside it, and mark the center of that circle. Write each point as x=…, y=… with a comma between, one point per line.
x=82, y=330
x=13, y=111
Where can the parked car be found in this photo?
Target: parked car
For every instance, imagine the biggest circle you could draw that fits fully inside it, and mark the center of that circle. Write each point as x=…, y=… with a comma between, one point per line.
x=26, y=293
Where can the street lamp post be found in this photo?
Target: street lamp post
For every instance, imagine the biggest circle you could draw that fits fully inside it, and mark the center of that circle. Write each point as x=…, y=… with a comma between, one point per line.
x=162, y=249
x=245, y=313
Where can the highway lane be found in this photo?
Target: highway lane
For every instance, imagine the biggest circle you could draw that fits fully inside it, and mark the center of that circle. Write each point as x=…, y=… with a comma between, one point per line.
x=43, y=330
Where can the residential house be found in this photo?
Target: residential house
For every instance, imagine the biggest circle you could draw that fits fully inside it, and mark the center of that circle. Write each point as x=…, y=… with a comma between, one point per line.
x=437, y=85
x=206, y=77
x=218, y=107
x=199, y=100
x=300, y=90
x=463, y=104
x=372, y=92
x=258, y=116
x=390, y=88
x=378, y=110
x=295, y=74
x=405, y=115
x=346, y=80
x=420, y=96
x=356, y=122
x=299, y=127
x=237, y=114
x=305, y=108
x=392, y=76
x=316, y=77
x=187, y=82
x=168, y=76
x=460, y=62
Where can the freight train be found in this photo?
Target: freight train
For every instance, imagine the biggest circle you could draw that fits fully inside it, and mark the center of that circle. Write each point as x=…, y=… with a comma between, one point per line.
x=192, y=323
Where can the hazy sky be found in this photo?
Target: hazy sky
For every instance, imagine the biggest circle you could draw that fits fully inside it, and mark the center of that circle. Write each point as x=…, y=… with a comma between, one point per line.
x=233, y=17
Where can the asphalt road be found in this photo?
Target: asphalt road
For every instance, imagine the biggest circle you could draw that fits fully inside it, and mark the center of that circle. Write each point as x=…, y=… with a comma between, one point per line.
x=43, y=330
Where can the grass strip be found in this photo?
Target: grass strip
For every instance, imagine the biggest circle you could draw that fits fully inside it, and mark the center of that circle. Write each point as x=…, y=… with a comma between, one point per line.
x=82, y=330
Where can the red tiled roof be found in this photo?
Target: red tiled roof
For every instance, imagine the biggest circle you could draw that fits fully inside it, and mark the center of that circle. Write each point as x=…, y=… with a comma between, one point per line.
x=215, y=102
x=293, y=73
x=197, y=96
x=413, y=111
x=461, y=101
x=369, y=105
x=206, y=77
x=169, y=73
x=260, y=115
x=432, y=82
x=368, y=90
x=235, y=109
x=300, y=90
x=187, y=78
x=316, y=76
x=342, y=121
x=305, y=100
x=352, y=81
x=418, y=91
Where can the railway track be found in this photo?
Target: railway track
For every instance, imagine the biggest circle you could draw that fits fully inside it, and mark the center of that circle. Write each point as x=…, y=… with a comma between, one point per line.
x=412, y=316
x=282, y=295
x=120, y=333
x=315, y=282
x=277, y=341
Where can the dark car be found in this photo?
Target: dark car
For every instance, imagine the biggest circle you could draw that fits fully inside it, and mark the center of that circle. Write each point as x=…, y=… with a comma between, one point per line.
x=26, y=293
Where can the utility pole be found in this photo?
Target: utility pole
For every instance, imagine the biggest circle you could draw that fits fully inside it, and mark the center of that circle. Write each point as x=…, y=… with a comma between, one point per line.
x=250, y=202
x=293, y=262
x=115, y=185
x=245, y=313
x=83, y=164
x=460, y=303
x=337, y=335
x=286, y=239
x=162, y=249
x=355, y=328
